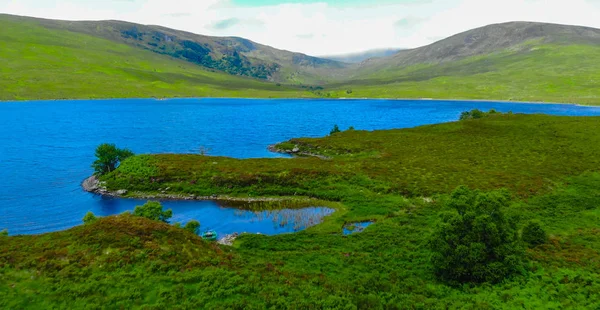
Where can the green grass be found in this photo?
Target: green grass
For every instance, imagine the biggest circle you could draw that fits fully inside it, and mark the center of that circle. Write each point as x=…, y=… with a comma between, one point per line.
x=549, y=163
x=41, y=63
x=546, y=72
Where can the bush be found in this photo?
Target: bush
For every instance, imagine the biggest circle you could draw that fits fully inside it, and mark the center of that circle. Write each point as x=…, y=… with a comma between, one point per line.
x=476, y=114
x=89, y=218
x=335, y=129
x=153, y=210
x=192, y=226
x=108, y=158
x=533, y=234
x=4, y=233
x=476, y=242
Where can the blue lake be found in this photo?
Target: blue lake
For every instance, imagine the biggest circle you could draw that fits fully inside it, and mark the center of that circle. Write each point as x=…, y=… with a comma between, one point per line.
x=46, y=147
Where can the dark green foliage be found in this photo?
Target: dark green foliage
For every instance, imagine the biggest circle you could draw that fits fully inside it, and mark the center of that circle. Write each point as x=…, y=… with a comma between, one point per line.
x=153, y=210
x=108, y=157
x=476, y=242
x=476, y=114
x=3, y=233
x=89, y=218
x=533, y=234
x=192, y=226
x=335, y=130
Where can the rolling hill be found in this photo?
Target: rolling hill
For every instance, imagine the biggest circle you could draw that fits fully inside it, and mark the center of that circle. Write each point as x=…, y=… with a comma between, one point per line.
x=37, y=62
x=512, y=61
x=522, y=61
x=233, y=55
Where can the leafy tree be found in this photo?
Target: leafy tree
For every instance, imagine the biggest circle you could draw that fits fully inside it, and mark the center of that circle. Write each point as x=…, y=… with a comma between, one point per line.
x=153, y=210
x=4, y=233
x=89, y=218
x=108, y=158
x=192, y=226
x=533, y=234
x=476, y=242
x=335, y=129
x=476, y=114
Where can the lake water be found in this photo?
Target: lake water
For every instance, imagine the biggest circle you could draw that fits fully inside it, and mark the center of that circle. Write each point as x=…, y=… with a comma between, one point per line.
x=46, y=147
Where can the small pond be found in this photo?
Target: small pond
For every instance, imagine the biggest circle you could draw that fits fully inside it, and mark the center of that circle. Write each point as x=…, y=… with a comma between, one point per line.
x=353, y=228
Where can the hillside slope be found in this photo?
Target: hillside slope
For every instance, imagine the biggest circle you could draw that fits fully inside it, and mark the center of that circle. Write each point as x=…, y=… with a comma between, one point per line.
x=41, y=63
x=233, y=55
x=513, y=61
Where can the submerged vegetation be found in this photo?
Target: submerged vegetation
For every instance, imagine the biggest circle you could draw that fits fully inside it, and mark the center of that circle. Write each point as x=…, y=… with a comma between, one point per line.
x=433, y=245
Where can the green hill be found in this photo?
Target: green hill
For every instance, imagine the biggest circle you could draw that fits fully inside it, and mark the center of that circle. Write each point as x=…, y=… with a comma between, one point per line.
x=37, y=62
x=513, y=61
x=521, y=61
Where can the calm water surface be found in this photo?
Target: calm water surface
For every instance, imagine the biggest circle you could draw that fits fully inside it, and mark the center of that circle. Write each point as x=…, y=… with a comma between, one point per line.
x=46, y=147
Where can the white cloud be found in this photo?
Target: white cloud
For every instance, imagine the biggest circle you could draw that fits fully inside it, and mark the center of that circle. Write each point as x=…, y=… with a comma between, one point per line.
x=318, y=28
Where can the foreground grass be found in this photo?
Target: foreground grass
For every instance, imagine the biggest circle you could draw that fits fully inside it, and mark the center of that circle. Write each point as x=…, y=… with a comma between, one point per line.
x=549, y=164
x=41, y=63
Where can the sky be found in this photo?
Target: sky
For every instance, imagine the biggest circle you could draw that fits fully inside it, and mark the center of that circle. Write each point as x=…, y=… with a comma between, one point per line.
x=319, y=27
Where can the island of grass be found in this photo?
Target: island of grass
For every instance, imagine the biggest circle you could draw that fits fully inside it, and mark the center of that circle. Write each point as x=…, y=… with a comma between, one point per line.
x=402, y=180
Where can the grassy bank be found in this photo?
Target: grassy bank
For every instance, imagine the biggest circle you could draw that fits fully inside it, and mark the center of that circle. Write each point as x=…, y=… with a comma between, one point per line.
x=548, y=163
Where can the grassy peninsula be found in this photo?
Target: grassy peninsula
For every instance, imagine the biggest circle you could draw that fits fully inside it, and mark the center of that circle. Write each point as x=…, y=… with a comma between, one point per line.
x=401, y=179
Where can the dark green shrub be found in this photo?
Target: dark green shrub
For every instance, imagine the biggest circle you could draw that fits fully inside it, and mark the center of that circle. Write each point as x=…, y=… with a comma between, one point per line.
x=192, y=226
x=476, y=242
x=108, y=157
x=4, y=233
x=533, y=234
x=335, y=129
x=153, y=210
x=89, y=218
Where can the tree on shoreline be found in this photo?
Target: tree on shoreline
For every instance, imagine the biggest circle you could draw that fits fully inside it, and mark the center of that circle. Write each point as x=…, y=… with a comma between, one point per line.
x=153, y=210
x=108, y=158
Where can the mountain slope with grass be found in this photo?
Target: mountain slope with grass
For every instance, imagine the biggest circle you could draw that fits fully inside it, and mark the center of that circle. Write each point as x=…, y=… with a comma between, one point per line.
x=233, y=55
x=512, y=61
x=37, y=62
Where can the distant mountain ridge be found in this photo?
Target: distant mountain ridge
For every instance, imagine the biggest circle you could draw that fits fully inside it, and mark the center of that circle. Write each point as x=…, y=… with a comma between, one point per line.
x=362, y=56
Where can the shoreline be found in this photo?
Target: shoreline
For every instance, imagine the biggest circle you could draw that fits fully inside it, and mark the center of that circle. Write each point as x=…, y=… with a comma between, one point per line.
x=310, y=98
x=94, y=186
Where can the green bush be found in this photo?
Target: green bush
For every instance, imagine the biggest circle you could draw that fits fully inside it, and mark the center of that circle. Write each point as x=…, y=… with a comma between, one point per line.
x=4, y=233
x=153, y=210
x=533, y=234
x=335, y=129
x=192, y=226
x=476, y=114
x=476, y=242
x=89, y=218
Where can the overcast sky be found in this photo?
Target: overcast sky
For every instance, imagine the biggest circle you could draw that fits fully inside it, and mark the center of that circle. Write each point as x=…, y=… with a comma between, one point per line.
x=318, y=27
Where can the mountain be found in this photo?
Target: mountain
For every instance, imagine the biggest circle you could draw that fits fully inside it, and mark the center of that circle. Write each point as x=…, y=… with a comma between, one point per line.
x=521, y=61
x=490, y=39
x=42, y=62
x=360, y=57
x=524, y=61
x=233, y=55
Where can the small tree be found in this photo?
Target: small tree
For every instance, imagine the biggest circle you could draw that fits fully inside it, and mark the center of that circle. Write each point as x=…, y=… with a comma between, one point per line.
x=153, y=210
x=335, y=129
x=4, y=233
x=89, y=218
x=533, y=234
x=476, y=242
x=108, y=157
x=192, y=226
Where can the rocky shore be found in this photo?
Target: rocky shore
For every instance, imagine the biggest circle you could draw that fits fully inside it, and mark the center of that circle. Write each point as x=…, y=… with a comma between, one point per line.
x=93, y=185
x=294, y=152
